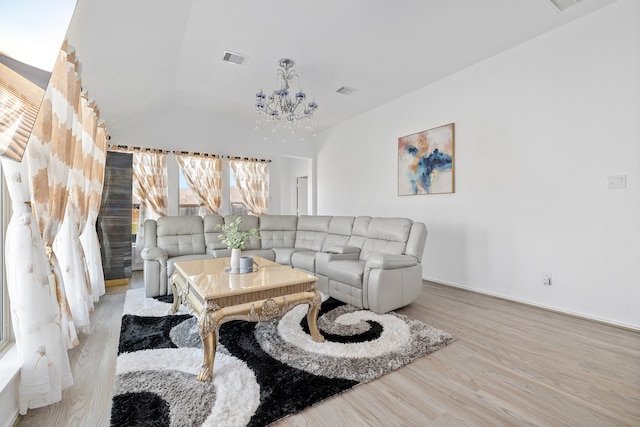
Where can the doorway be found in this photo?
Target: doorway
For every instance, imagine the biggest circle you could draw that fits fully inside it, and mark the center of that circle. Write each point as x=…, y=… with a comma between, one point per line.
x=302, y=195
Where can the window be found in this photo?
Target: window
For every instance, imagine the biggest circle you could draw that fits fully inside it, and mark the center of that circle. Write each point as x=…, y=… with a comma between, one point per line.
x=5, y=319
x=135, y=217
x=235, y=201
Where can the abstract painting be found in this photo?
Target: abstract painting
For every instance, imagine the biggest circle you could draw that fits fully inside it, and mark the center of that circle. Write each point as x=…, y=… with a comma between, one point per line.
x=425, y=162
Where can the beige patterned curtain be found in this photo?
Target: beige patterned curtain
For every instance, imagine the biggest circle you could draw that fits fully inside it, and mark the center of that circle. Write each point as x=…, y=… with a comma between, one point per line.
x=89, y=236
x=252, y=181
x=51, y=147
x=150, y=186
x=203, y=173
x=43, y=303
x=150, y=180
x=68, y=244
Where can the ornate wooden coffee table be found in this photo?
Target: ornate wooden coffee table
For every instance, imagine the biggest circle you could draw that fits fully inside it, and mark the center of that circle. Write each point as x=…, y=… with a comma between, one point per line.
x=217, y=296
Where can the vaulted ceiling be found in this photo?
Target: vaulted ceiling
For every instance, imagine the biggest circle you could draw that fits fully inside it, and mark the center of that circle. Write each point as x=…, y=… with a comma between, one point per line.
x=139, y=57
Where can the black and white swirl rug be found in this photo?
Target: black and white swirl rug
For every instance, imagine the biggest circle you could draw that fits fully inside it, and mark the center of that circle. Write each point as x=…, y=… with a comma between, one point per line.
x=262, y=372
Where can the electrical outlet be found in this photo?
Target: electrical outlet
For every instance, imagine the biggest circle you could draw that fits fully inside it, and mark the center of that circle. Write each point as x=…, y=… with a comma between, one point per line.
x=616, y=181
x=546, y=279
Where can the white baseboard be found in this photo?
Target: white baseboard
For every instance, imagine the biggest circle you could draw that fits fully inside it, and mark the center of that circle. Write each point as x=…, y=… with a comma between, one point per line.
x=535, y=304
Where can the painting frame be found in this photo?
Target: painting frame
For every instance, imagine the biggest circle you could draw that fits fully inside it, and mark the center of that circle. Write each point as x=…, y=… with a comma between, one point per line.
x=426, y=162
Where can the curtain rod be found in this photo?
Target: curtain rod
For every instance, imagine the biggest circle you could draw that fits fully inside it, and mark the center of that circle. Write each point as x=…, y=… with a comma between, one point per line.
x=194, y=153
x=248, y=158
x=128, y=148
x=116, y=147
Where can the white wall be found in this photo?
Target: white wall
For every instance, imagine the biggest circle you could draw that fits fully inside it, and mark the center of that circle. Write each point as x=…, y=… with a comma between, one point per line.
x=538, y=130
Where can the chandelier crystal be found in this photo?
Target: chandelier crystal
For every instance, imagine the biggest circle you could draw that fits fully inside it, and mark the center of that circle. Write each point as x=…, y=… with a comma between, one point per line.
x=283, y=107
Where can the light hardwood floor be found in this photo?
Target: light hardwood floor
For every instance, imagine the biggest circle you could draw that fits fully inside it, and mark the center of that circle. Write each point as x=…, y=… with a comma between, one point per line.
x=511, y=365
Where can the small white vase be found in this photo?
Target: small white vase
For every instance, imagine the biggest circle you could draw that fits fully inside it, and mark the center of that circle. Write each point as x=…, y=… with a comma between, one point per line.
x=235, y=260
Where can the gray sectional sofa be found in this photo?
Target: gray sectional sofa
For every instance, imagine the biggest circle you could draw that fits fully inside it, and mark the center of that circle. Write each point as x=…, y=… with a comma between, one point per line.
x=372, y=263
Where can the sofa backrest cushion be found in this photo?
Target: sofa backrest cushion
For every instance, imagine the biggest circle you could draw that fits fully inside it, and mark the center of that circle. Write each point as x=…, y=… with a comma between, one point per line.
x=278, y=231
x=359, y=232
x=311, y=231
x=386, y=235
x=211, y=231
x=417, y=240
x=181, y=235
x=247, y=223
x=339, y=234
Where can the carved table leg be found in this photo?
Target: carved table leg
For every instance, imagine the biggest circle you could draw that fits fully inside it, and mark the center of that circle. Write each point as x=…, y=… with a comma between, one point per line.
x=210, y=343
x=209, y=327
x=312, y=318
x=176, y=300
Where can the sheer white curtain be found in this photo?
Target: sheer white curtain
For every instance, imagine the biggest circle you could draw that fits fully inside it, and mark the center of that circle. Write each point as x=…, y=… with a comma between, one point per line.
x=203, y=173
x=252, y=181
x=35, y=312
x=150, y=186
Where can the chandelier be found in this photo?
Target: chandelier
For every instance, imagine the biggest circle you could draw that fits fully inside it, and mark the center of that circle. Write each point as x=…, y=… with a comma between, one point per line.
x=283, y=107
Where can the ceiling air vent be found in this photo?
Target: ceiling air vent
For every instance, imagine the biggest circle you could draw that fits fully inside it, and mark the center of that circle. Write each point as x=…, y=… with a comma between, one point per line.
x=564, y=4
x=346, y=90
x=235, y=58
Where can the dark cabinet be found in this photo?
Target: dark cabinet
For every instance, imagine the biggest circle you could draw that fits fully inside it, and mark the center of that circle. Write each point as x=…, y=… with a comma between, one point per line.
x=114, y=220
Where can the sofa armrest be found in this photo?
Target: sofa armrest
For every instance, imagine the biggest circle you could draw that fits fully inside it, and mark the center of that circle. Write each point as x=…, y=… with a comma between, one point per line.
x=283, y=255
x=155, y=271
x=323, y=259
x=389, y=261
x=219, y=253
x=214, y=246
x=344, y=250
x=155, y=254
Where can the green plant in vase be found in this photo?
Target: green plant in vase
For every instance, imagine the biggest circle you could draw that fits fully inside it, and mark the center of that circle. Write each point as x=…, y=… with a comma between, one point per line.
x=235, y=239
